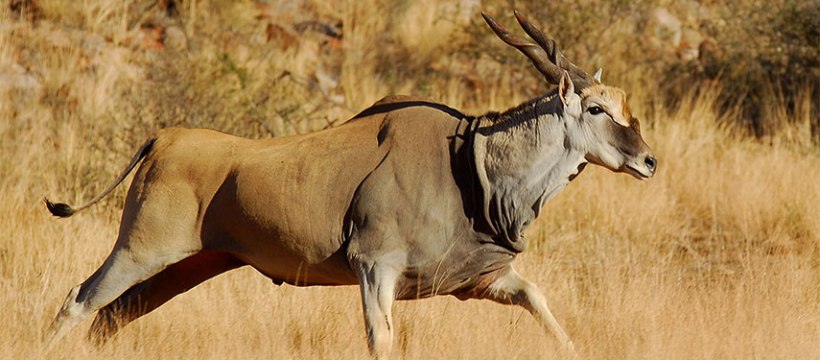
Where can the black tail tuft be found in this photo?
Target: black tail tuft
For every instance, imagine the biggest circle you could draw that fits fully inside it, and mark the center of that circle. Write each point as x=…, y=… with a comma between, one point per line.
x=59, y=209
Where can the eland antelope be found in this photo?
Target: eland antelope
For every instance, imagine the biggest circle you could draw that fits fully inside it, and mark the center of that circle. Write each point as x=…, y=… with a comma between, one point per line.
x=405, y=189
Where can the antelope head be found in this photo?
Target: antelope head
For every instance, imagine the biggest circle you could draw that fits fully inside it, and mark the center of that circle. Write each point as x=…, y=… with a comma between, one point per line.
x=597, y=118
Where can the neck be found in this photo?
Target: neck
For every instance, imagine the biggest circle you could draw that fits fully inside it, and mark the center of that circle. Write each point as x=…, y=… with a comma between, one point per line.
x=523, y=158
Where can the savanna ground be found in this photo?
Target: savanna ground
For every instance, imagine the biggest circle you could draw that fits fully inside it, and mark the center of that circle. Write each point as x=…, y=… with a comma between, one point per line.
x=717, y=257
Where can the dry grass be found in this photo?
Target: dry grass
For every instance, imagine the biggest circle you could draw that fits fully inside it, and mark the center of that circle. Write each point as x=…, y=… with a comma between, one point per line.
x=718, y=256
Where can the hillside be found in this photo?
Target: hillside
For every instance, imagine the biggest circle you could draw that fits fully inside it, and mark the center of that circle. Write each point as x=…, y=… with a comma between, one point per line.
x=718, y=256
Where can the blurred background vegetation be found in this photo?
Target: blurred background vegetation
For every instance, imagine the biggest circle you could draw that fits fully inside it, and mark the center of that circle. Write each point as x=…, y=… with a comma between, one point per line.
x=102, y=75
x=260, y=68
x=726, y=234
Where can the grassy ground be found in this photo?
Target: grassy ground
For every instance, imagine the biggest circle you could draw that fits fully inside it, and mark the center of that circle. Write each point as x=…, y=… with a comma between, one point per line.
x=717, y=257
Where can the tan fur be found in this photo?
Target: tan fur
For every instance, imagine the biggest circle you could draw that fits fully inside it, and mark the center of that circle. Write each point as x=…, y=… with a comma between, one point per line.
x=409, y=199
x=392, y=200
x=319, y=209
x=611, y=99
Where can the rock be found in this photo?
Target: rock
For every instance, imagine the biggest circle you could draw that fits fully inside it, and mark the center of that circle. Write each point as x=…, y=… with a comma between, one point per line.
x=281, y=36
x=16, y=77
x=175, y=38
x=689, y=48
x=93, y=44
x=664, y=29
x=59, y=38
x=150, y=37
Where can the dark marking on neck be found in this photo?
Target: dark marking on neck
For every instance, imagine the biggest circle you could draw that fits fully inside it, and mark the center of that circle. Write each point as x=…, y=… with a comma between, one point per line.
x=526, y=111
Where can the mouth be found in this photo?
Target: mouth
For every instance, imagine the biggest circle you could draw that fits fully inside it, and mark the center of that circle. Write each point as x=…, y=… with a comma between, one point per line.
x=640, y=174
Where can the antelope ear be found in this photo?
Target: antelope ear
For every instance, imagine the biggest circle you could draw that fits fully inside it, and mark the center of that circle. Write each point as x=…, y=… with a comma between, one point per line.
x=597, y=75
x=565, y=87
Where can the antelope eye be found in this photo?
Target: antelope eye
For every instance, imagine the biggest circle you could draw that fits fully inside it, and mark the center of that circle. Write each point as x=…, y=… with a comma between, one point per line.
x=595, y=110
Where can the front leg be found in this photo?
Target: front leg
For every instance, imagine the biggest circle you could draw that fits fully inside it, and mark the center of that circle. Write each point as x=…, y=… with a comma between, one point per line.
x=511, y=288
x=378, y=284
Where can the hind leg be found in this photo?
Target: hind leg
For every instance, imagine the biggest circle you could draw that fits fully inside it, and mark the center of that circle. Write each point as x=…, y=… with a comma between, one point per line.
x=146, y=296
x=161, y=225
x=121, y=270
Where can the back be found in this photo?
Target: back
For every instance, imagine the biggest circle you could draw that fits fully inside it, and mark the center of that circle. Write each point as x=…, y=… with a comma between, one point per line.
x=289, y=198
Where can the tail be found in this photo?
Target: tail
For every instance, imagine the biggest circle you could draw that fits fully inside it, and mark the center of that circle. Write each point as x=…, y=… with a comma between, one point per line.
x=65, y=210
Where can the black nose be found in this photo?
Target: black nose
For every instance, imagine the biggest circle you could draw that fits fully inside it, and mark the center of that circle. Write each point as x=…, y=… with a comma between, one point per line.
x=651, y=162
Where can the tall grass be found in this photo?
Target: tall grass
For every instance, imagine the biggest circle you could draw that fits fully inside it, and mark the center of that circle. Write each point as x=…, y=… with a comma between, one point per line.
x=718, y=256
